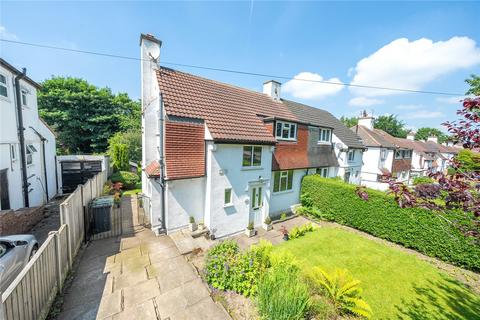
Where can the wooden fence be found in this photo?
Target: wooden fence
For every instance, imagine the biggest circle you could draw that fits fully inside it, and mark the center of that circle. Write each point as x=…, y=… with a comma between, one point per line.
x=32, y=292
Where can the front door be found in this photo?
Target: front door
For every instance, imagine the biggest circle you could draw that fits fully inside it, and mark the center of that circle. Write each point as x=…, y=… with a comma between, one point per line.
x=256, y=205
x=4, y=196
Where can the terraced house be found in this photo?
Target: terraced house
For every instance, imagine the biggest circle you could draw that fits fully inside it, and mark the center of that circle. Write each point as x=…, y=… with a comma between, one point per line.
x=228, y=156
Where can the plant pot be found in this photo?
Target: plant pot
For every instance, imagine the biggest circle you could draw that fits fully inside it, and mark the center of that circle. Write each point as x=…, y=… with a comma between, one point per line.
x=249, y=232
x=192, y=226
x=267, y=227
x=285, y=237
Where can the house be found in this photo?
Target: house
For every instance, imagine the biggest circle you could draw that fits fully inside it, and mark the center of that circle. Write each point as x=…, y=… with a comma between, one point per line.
x=228, y=156
x=27, y=144
x=384, y=155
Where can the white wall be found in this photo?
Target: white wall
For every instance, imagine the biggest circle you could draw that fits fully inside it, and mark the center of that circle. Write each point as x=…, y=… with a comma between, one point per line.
x=185, y=198
x=354, y=167
x=371, y=167
x=9, y=135
x=224, y=164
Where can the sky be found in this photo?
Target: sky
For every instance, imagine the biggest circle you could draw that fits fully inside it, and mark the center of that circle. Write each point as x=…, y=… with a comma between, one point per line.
x=430, y=46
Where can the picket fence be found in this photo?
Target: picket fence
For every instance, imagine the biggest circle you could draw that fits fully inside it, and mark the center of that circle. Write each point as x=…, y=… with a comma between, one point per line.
x=33, y=291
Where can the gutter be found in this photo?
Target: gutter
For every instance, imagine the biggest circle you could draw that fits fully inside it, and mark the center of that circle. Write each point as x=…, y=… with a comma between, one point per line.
x=21, y=136
x=43, y=139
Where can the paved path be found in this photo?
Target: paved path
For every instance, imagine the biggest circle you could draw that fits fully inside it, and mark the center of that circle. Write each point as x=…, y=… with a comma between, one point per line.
x=142, y=276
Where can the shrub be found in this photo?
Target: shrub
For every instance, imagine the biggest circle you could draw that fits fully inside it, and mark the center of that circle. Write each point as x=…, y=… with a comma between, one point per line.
x=250, y=226
x=416, y=228
x=219, y=260
x=297, y=232
x=268, y=220
x=191, y=219
x=343, y=291
x=127, y=178
x=281, y=293
x=283, y=216
x=421, y=180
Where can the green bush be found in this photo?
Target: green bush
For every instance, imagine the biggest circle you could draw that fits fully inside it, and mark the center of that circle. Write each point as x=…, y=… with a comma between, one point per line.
x=226, y=268
x=415, y=228
x=297, y=232
x=421, y=180
x=282, y=295
x=127, y=178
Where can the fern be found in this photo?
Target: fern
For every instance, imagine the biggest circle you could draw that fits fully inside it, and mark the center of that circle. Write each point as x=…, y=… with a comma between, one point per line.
x=341, y=289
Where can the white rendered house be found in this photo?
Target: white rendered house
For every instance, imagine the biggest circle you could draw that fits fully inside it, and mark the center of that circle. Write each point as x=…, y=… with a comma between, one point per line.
x=27, y=144
x=228, y=156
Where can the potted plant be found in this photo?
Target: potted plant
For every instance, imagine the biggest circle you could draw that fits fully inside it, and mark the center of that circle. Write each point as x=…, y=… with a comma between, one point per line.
x=284, y=231
x=192, y=224
x=250, y=231
x=267, y=224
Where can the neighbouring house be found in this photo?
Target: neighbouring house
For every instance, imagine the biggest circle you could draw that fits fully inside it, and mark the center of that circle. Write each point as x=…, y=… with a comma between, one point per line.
x=27, y=144
x=228, y=156
x=384, y=155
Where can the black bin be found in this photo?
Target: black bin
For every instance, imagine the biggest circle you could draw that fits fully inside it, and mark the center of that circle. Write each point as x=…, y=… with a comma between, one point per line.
x=100, y=211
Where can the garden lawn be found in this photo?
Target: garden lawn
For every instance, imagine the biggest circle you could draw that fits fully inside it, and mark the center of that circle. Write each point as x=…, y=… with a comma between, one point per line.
x=132, y=192
x=395, y=284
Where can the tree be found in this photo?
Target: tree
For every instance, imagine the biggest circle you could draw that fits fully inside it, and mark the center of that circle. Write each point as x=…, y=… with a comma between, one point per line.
x=469, y=161
x=132, y=139
x=474, y=83
x=349, y=122
x=84, y=116
x=391, y=125
x=425, y=132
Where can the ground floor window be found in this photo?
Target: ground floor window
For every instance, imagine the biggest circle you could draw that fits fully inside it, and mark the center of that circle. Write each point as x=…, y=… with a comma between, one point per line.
x=282, y=180
x=323, y=172
x=228, y=196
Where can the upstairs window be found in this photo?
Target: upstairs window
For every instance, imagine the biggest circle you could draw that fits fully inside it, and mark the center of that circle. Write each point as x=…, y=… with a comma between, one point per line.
x=286, y=131
x=282, y=180
x=351, y=155
x=252, y=156
x=325, y=135
x=403, y=154
x=398, y=154
x=24, y=94
x=3, y=86
x=323, y=172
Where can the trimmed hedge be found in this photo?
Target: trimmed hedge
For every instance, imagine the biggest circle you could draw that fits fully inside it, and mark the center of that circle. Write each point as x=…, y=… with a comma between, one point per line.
x=415, y=228
x=129, y=179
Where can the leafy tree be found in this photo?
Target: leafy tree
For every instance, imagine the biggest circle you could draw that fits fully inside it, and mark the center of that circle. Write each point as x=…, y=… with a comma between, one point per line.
x=349, y=122
x=132, y=139
x=83, y=115
x=474, y=83
x=425, y=132
x=391, y=125
x=469, y=161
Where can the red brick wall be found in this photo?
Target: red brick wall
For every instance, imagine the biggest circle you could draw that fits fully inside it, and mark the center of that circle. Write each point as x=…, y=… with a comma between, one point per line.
x=19, y=221
x=292, y=154
x=184, y=149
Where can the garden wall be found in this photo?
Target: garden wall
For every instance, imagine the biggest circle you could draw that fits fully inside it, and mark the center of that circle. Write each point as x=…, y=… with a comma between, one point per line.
x=415, y=228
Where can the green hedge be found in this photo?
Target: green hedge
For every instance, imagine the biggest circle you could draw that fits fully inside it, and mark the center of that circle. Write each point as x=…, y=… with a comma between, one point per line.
x=380, y=216
x=129, y=179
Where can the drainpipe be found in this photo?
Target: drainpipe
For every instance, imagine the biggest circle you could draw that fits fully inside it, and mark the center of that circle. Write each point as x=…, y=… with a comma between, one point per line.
x=43, y=139
x=21, y=136
x=161, y=131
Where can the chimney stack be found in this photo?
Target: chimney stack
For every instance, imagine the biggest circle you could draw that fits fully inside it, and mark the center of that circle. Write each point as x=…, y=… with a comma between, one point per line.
x=365, y=120
x=433, y=139
x=411, y=135
x=272, y=89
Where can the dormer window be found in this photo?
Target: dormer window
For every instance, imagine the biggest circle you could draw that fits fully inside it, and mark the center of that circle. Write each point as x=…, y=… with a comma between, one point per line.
x=286, y=130
x=325, y=135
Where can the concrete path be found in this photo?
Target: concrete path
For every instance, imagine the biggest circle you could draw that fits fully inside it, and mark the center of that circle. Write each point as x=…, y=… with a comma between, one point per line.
x=142, y=276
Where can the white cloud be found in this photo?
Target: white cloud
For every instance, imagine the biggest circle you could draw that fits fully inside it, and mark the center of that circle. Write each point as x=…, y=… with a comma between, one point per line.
x=299, y=88
x=422, y=114
x=5, y=34
x=364, y=102
x=408, y=107
x=408, y=64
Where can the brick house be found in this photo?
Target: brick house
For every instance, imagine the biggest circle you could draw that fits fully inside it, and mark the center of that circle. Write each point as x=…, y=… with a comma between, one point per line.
x=228, y=156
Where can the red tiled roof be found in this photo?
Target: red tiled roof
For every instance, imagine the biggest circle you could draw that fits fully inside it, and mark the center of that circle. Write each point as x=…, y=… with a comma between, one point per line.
x=232, y=114
x=184, y=149
x=153, y=169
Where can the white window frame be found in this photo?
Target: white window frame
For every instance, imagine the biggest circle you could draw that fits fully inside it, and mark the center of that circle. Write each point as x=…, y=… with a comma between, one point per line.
x=323, y=171
x=230, y=201
x=325, y=135
x=288, y=127
x=351, y=155
x=24, y=97
x=287, y=177
x=5, y=85
x=252, y=163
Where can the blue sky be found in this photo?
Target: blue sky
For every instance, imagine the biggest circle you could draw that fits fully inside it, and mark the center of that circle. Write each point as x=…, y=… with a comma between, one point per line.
x=427, y=46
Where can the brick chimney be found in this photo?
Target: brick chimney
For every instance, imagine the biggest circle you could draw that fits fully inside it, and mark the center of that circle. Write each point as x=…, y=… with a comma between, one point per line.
x=272, y=89
x=365, y=120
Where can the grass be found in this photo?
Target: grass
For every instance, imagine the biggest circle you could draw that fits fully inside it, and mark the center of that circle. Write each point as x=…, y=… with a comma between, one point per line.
x=396, y=284
x=132, y=192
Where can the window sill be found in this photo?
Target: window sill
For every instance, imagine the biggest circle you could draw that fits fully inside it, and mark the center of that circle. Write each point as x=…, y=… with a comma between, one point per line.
x=228, y=205
x=324, y=142
x=282, y=192
x=251, y=168
x=285, y=139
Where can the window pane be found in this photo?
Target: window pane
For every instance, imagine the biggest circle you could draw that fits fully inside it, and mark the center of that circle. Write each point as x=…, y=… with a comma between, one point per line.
x=283, y=183
x=3, y=79
x=257, y=156
x=254, y=197
x=276, y=181
x=285, y=132
x=260, y=196
x=228, y=196
x=292, y=131
x=24, y=98
x=247, y=156
x=279, y=129
x=328, y=135
x=3, y=91
x=290, y=179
